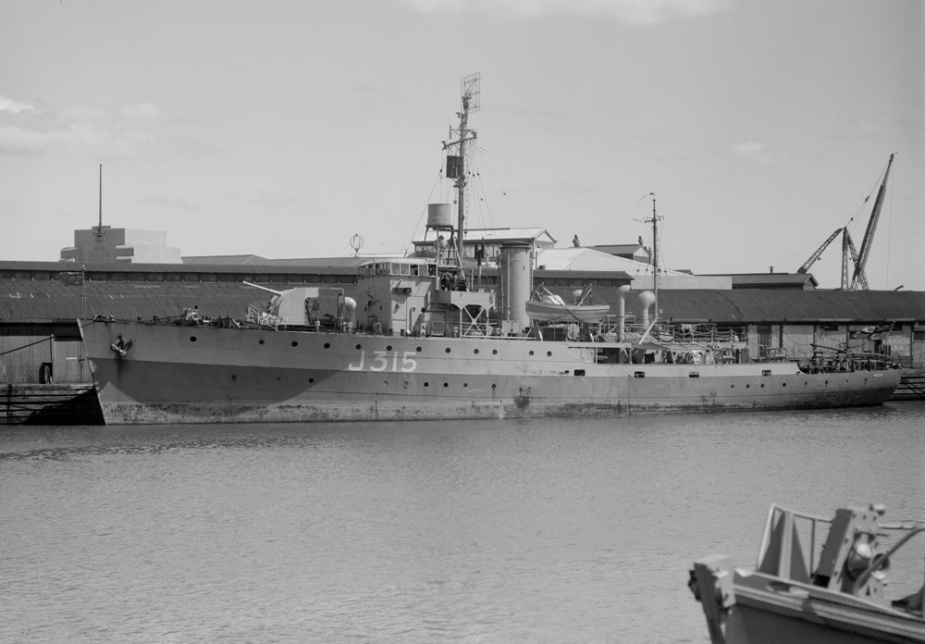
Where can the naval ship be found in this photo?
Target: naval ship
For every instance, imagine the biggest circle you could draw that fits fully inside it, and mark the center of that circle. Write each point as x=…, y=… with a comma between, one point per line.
x=423, y=340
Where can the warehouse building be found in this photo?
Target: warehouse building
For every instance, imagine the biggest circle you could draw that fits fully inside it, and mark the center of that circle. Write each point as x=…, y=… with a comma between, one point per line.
x=41, y=301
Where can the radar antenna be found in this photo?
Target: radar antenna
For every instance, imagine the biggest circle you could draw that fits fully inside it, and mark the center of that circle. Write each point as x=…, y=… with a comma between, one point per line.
x=471, y=91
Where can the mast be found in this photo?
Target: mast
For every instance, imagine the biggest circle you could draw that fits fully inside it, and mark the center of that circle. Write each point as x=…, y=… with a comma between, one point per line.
x=655, y=251
x=461, y=179
x=456, y=167
x=654, y=221
x=99, y=228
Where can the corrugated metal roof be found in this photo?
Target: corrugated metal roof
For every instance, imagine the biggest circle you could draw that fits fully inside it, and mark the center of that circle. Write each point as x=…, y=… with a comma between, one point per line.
x=744, y=306
x=771, y=278
x=48, y=300
x=51, y=300
x=237, y=260
x=332, y=266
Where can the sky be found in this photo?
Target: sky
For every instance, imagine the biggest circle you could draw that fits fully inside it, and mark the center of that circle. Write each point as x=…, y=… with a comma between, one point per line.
x=283, y=129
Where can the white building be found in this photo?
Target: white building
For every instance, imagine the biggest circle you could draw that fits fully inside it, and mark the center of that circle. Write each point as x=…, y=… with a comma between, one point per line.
x=106, y=245
x=588, y=259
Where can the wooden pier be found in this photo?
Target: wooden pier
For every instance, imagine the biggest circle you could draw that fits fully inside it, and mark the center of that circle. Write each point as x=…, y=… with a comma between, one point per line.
x=912, y=385
x=49, y=404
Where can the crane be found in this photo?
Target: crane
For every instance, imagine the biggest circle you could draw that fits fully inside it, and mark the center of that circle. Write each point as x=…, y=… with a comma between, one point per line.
x=864, y=253
x=846, y=247
x=858, y=258
x=812, y=260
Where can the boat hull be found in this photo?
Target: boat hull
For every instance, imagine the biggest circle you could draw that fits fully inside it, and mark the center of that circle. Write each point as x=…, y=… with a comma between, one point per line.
x=758, y=608
x=190, y=374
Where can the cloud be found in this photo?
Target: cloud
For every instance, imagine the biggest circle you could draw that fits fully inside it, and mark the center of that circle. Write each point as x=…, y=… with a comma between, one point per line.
x=9, y=105
x=135, y=130
x=759, y=152
x=630, y=12
x=141, y=112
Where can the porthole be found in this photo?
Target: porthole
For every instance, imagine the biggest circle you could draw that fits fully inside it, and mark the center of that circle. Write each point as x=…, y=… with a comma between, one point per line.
x=192, y=338
x=732, y=386
x=388, y=348
x=359, y=346
x=549, y=353
x=494, y=386
x=494, y=352
x=311, y=380
x=531, y=352
x=748, y=386
x=445, y=385
x=295, y=344
x=261, y=342
x=476, y=352
x=427, y=384
x=465, y=384
x=762, y=385
x=327, y=345
x=783, y=384
x=447, y=349
x=418, y=349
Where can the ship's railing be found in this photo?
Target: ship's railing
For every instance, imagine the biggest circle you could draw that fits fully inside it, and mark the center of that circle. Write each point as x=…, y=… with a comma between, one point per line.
x=681, y=333
x=459, y=328
x=261, y=317
x=847, y=361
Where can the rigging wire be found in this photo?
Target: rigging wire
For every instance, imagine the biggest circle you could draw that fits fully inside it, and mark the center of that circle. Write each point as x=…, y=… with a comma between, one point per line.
x=547, y=184
x=503, y=190
x=424, y=210
x=483, y=206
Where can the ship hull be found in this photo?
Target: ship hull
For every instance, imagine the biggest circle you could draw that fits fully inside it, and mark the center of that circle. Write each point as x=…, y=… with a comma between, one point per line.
x=189, y=374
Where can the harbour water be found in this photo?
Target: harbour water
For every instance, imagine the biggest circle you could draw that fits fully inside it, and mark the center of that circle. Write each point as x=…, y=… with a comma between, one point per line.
x=499, y=531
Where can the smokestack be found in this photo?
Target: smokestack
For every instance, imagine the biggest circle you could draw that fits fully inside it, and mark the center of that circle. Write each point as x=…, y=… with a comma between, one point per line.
x=648, y=299
x=621, y=312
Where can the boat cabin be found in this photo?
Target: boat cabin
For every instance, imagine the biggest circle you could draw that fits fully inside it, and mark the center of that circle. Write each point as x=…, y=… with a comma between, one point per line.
x=419, y=296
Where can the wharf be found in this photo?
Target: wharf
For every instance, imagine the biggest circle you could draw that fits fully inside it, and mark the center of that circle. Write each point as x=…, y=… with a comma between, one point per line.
x=912, y=385
x=38, y=404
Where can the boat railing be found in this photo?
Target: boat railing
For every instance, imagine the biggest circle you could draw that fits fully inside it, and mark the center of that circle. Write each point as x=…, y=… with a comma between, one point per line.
x=781, y=552
x=782, y=555
x=704, y=333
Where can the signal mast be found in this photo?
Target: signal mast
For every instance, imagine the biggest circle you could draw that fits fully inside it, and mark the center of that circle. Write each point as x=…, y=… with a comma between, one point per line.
x=456, y=164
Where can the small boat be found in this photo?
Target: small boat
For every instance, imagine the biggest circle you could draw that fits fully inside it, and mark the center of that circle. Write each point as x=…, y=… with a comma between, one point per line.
x=835, y=596
x=545, y=306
